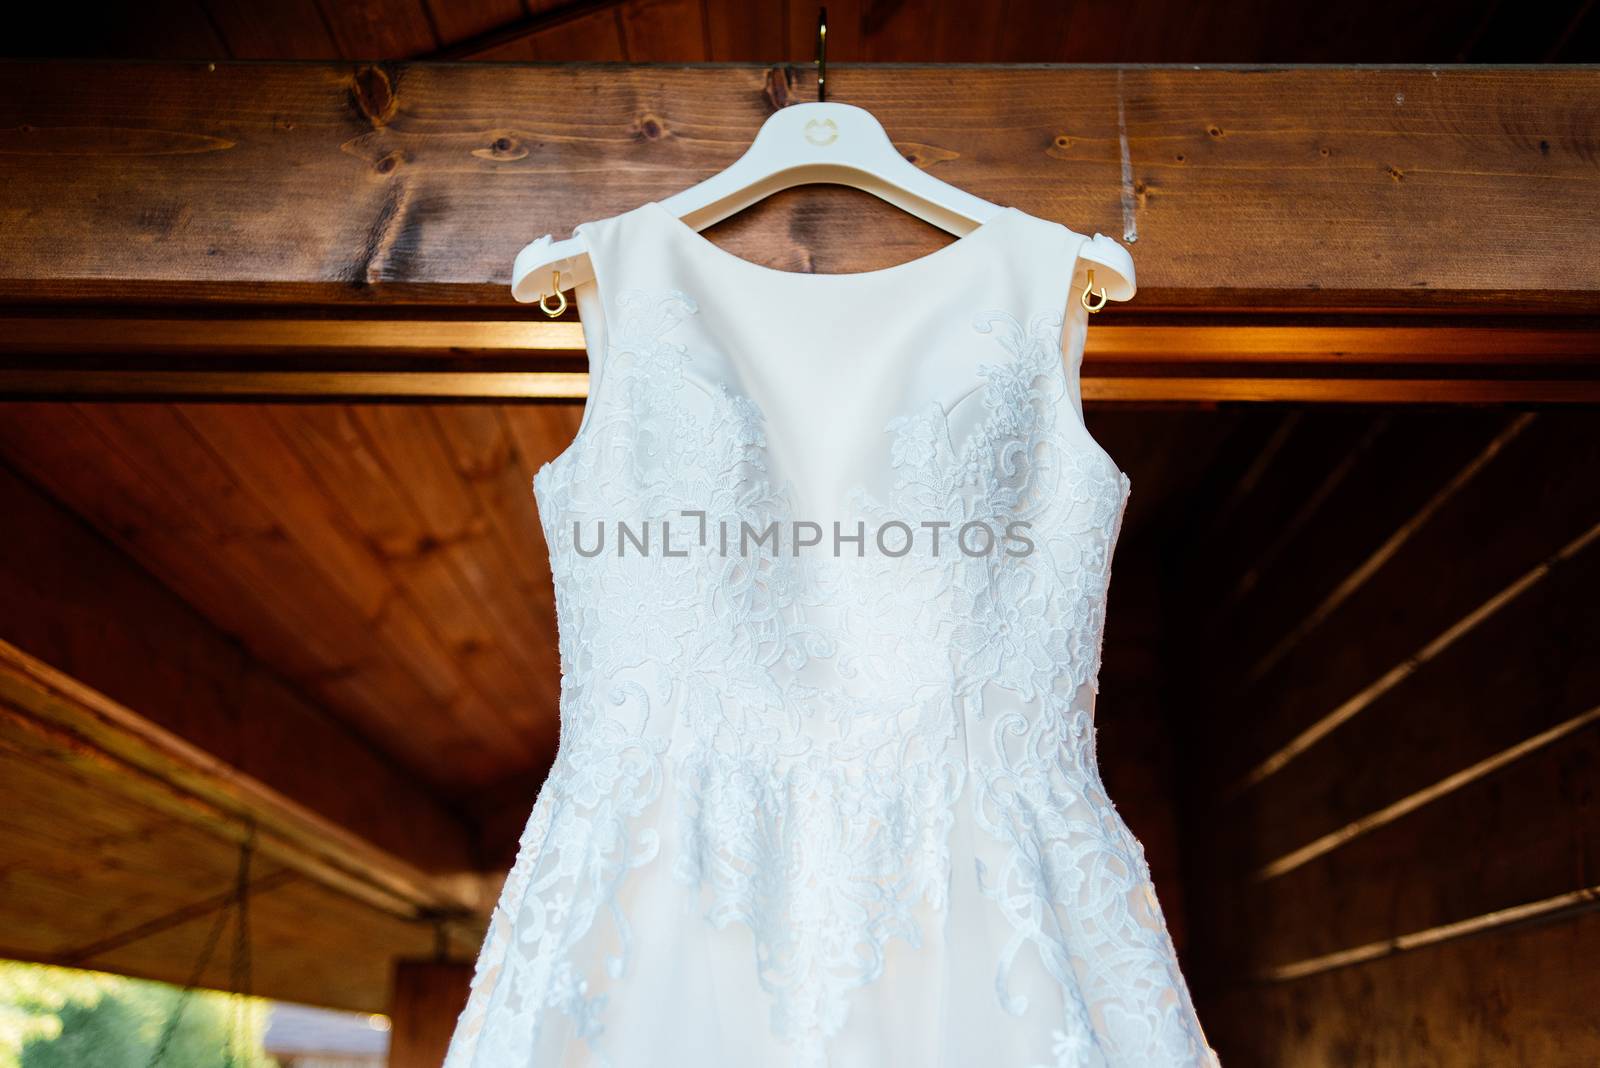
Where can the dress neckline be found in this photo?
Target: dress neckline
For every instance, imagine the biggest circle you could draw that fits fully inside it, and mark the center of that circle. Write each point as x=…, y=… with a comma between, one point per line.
x=965, y=243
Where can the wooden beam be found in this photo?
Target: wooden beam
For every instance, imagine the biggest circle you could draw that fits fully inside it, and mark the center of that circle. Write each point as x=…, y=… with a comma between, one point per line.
x=1399, y=597
x=295, y=386
x=243, y=333
x=1520, y=993
x=521, y=339
x=1129, y=358
x=1409, y=663
x=1371, y=235
x=209, y=907
x=1404, y=806
x=54, y=718
x=1496, y=842
x=427, y=998
x=1564, y=904
x=379, y=386
x=1254, y=188
x=98, y=659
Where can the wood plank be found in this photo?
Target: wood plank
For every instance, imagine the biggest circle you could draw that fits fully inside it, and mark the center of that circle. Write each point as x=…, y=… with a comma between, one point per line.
x=77, y=603
x=345, y=967
x=366, y=188
x=516, y=39
x=1125, y=340
x=592, y=35
x=50, y=719
x=1424, y=595
x=1415, y=465
x=1315, y=449
x=655, y=31
x=461, y=576
x=249, y=448
x=845, y=33
x=508, y=353
x=1488, y=760
x=263, y=387
x=1534, y=665
x=1415, y=727
x=81, y=865
x=133, y=483
x=289, y=29
x=1514, y=836
x=740, y=32
x=460, y=20
x=467, y=726
x=486, y=458
x=1524, y=996
x=911, y=31
x=426, y=999
x=1031, y=31
x=541, y=433
x=344, y=479
x=57, y=446
x=381, y=29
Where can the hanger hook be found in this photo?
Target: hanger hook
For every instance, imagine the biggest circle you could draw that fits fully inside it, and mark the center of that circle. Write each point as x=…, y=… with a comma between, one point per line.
x=1088, y=301
x=822, y=55
x=555, y=289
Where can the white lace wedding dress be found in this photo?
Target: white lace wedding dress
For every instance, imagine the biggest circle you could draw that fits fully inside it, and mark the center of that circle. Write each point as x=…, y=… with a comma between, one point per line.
x=832, y=803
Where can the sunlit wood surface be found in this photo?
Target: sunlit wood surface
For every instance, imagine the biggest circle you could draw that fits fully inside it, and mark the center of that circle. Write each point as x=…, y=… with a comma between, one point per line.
x=1432, y=188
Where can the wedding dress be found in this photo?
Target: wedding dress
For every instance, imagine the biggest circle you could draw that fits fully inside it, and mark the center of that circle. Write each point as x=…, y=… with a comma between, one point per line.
x=831, y=556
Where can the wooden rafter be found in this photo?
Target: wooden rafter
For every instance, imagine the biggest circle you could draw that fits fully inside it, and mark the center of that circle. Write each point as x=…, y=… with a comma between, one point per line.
x=1373, y=234
x=1382, y=360
x=43, y=710
x=103, y=669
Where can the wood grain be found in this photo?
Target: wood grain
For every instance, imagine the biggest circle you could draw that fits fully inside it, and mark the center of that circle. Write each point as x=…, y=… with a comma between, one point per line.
x=1392, y=710
x=53, y=720
x=1545, y=471
x=310, y=551
x=77, y=603
x=505, y=355
x=426, y=999
x=1523, y=997
x=1251, y=188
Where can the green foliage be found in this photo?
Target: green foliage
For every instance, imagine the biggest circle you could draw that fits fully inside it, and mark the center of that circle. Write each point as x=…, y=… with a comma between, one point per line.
x=63, y=1018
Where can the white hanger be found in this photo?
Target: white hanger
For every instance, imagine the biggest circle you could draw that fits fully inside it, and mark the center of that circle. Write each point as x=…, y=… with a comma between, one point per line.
x=798, y=145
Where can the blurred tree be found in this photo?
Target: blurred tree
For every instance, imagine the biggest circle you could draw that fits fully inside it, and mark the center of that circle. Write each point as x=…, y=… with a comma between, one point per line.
x=64, y=1018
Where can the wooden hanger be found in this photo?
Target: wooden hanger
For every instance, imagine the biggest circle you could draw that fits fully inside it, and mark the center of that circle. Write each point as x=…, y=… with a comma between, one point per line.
x=799, y=145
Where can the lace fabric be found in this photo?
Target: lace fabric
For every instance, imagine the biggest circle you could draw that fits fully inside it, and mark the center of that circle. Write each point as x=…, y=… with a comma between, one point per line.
x=840, y=807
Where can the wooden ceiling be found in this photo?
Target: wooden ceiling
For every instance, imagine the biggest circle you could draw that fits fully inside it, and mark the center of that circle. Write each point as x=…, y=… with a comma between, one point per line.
x=383, y=566
x=385, y=560
x=874, y=31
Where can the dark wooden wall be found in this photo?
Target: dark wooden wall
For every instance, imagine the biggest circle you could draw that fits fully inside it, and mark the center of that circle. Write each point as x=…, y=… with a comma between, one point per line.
x=1387, y=695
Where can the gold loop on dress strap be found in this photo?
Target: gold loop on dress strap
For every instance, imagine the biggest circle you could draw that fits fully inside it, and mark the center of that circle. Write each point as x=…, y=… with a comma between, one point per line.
x=561, y=298
x=1088, y=288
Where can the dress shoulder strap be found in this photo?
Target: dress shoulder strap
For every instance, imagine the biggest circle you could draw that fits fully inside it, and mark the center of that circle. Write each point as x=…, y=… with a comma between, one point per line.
x=1057, y=262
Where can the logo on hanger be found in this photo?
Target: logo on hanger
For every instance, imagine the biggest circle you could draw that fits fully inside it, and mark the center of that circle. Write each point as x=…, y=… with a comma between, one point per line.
x=822, y=132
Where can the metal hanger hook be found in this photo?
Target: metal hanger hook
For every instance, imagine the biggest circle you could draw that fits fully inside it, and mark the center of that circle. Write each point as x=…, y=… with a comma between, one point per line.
x=822, y=55
x=1088, y=301
x=561, y=298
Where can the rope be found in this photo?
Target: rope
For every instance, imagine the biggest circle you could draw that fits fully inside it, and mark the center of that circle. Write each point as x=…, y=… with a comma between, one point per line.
x=240, y=973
